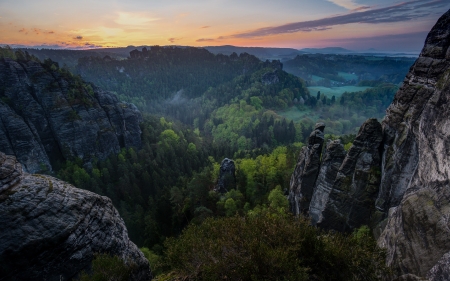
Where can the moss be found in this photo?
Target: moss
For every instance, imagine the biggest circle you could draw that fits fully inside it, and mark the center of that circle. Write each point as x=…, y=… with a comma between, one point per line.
x=73, y=116
x=50, y=185
x=443, y=82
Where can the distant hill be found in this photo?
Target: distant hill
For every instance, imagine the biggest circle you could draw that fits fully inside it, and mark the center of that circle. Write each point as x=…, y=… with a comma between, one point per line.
x=327, y=50
x=260, y=52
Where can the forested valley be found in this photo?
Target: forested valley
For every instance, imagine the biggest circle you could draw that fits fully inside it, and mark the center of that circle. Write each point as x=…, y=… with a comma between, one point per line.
x=200, y=108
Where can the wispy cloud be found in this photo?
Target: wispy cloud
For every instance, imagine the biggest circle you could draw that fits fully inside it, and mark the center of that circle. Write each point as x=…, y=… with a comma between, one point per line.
x=136, y=19
x=348, y=4
x=206, y=26
x=172, y=40
x=78, y=38
x=405, y=41
x=206, y=40
x=404, y=11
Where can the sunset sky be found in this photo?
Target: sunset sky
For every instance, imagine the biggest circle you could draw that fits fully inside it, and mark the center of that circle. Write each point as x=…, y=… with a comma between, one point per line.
x=387, y=25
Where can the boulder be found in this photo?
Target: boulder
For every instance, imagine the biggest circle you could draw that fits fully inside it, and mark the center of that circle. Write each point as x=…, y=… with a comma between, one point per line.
x=51, y=230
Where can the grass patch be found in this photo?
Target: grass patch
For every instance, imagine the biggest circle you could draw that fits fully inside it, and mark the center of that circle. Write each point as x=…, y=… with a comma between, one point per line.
x=348, y=76
x=315, y=78
x=336, y=91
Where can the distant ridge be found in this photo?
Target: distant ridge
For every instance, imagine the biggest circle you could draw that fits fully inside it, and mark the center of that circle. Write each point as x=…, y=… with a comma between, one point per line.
x=327, y=50
x=260, y=52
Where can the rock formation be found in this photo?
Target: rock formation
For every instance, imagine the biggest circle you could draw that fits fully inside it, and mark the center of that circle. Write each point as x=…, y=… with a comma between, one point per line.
x=414, y=192
x=48, y=115
x=396, y=176
x=270, y=78
x=227, y=176
x=352, y=197
x=305, y=174
x=331, y=162
x=50, y=230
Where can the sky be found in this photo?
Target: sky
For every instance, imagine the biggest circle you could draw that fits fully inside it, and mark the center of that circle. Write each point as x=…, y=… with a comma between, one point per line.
x=384, y=25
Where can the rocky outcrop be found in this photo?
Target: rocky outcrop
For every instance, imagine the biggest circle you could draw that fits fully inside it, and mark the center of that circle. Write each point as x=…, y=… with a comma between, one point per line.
x=48, y=115
x=227, y=176
x=351, y=202
x=396, y=176
x=333, y=157
x=414, y=192
x=441, y=271
x=50, y=230
x=270, y=78
x=306, y=171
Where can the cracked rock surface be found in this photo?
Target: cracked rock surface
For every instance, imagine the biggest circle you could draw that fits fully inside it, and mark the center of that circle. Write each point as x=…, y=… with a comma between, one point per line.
x=48, y=115
x=51, y=230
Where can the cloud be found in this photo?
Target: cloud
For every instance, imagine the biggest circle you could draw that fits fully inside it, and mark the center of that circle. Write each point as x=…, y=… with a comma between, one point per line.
x=172, y=40
x=136, y=19
x=78, y=38
x=90, y=46
x=411, y=42
x=49, y=32
x=206, y=40
x=362, y=8
x=348, y=4
x=23, y=30
x=206, y=26
x=404, y=11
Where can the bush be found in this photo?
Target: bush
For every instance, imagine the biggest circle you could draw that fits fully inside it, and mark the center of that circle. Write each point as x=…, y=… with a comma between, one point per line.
x=107, y=268
x=268, y=247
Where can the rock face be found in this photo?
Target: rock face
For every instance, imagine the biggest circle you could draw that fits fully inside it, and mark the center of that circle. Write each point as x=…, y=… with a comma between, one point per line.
x=48, y=115
x=227, y=176
x=306, y=171
x=352, y=197
x=50, y=229
x=270, y=78
x=331, y=162
x=415, y=192
x=396, y=177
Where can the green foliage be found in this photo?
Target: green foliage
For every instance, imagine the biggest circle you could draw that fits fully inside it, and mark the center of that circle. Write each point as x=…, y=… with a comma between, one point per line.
x=153, y=259
x=267, y=247
x=348, y=146
x=278, y=201
x=107, y=268
x=7, y=52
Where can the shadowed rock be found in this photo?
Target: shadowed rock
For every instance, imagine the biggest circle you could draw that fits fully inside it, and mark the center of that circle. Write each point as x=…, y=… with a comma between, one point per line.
x=47, y=116
x=306, y=171
x=414, y=192
x=50, y=230
x=227, y=176
x=351, y=202
x=331, y=162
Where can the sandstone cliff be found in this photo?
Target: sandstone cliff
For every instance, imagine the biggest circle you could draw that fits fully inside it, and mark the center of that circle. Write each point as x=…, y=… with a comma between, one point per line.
x=396, y=176
x=48, y=115
x=415, y=192
x=50, y=229
x=306, y=172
